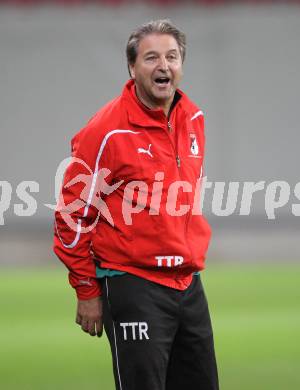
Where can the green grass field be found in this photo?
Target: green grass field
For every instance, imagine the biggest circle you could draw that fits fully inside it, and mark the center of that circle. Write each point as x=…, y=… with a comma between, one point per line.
x=255, y=312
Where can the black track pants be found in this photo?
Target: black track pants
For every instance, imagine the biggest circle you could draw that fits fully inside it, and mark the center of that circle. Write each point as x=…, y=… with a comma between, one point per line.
x=160, y=338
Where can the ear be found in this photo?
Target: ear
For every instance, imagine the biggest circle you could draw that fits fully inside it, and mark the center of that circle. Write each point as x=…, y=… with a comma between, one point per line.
x=131, y=71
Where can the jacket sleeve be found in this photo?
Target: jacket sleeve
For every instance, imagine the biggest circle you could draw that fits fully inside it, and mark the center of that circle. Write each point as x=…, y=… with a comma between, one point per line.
x=77, y=212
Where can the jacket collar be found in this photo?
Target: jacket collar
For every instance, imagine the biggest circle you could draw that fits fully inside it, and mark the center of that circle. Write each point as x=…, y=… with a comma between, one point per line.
x=141, y=115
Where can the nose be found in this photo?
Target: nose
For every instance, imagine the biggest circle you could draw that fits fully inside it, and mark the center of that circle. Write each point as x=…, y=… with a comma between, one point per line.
x=163, y=64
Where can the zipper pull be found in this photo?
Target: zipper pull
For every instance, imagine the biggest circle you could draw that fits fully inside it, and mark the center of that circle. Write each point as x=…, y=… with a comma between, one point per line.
x=169, y=126
x=178, y=161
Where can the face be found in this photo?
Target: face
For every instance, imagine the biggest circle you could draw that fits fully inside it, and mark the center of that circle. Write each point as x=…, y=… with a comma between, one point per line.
x=157, y=70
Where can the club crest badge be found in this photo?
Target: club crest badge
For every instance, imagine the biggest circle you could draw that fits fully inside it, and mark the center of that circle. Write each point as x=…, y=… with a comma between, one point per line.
x=194, y=145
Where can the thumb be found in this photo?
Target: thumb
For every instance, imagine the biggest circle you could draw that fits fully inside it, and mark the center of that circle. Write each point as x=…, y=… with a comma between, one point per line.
x=99, y=327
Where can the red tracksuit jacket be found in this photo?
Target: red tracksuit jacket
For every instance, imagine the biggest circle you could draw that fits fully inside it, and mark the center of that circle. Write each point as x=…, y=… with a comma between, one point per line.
x=141, y=170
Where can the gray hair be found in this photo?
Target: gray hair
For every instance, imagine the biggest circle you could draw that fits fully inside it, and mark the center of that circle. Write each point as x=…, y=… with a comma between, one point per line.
x=163, y=26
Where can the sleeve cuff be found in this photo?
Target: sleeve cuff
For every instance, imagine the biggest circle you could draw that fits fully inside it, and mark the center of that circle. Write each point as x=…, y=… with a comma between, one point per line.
x=88, y=292
x=86, y=288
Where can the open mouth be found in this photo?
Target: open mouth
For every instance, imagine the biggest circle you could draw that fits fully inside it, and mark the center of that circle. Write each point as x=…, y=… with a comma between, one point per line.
x=162, y=81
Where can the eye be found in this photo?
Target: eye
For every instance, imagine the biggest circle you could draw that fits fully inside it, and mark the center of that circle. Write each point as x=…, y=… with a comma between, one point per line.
x=150, y=58
x=172, y=57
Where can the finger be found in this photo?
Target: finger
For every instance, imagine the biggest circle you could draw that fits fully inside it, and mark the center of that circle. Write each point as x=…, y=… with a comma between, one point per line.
x=91, y=326
x=84, y=325
x=99, y=327
x=78, y=319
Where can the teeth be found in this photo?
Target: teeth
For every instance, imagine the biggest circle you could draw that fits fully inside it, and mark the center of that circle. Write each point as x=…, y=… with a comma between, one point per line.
x=162, y=80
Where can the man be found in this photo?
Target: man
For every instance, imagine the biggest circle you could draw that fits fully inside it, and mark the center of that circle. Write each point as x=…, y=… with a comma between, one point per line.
x=129, y=225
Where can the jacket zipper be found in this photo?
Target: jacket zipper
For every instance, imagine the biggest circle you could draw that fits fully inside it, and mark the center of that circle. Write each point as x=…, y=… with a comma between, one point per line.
x=176, y=150
x=187, y=217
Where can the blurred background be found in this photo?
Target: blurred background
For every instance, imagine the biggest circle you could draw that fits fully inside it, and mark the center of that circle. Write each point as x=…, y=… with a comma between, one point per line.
x=60, y=61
